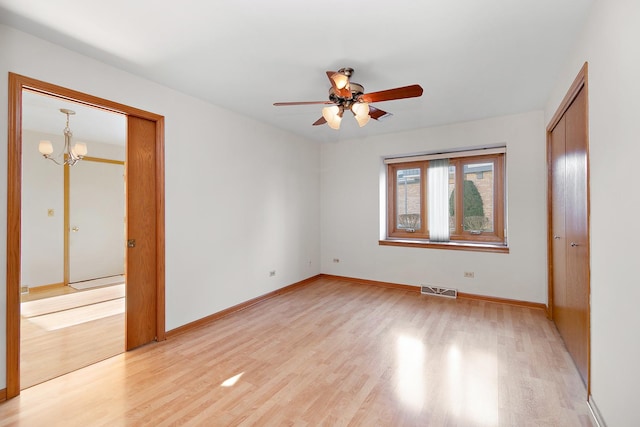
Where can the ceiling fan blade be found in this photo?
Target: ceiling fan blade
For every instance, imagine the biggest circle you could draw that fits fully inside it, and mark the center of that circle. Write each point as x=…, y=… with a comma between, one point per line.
x=320, y=121
x=281, y=104
x=391, y=94
x=378, y=114
x=342, y=93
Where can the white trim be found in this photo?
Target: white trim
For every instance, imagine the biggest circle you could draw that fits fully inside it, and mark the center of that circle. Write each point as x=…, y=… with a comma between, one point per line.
x=449, y=155
x=595, y=412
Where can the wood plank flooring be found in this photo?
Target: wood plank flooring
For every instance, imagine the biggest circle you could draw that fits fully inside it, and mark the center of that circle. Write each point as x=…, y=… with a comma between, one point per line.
x=72, y=300
x=64, y=331
x=332, y=353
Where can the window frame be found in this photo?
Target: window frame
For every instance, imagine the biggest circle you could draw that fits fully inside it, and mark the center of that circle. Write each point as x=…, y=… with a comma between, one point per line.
x=458, y=236
x=394, y=231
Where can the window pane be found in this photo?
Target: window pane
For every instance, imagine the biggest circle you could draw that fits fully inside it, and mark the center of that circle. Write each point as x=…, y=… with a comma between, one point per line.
x=452, y=200
x=408, y=199
x=478, y=197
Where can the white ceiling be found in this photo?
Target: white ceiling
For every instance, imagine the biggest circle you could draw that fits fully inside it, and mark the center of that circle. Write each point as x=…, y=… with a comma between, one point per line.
x=474, y=58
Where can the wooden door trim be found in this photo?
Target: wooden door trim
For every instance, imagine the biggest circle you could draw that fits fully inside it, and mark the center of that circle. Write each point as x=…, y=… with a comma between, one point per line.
x=581, y=82
x=14, y=191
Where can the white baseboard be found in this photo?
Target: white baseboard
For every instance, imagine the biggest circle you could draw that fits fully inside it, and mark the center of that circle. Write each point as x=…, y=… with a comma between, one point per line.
x=595, y=412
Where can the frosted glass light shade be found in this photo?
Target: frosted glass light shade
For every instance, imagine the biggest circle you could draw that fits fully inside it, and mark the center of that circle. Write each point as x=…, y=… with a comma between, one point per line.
x=340, y=80
x=363, y=120
x=80, y=149
x=361, y=111
x=360, y=108
x=332, y=116
x=45, y=147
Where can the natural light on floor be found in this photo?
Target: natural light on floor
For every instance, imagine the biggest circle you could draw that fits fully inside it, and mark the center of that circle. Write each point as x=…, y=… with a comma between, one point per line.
x=79, y=315
x=410, y=359
x=231, y=381
x=472, y=382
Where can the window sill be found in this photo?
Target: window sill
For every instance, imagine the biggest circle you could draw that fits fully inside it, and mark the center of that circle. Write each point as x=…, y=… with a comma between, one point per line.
x=458, y=246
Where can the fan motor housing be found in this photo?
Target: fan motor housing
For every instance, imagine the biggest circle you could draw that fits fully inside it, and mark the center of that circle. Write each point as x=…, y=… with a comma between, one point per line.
x=355, y=88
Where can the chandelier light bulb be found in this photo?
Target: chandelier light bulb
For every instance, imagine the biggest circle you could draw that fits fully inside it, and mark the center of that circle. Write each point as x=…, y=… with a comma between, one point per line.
x=45, y=147
x=80, y=149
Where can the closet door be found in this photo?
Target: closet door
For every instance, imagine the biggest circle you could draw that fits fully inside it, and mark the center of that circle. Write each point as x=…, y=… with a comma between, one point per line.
x=577, y=278
x=559, y=237
x=569, y=240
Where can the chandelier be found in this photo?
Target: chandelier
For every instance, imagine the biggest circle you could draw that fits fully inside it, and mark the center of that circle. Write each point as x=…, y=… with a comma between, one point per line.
x=70, y=155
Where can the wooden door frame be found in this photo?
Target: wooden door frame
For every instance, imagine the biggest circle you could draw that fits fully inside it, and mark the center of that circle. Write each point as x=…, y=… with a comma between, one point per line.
x=17, y=83
x=579, y=83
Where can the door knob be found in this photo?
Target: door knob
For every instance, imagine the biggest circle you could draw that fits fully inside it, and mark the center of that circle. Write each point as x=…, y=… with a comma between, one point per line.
x=75, y=229
x=555, y=236
x=131, y=243
x=574, y=244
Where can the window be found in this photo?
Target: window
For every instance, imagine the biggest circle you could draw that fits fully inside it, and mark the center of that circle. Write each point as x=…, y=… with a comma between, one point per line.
x=440, y=199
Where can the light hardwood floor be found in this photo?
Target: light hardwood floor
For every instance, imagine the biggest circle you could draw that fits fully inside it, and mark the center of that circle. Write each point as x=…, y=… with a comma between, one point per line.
x=62, y=330
x=331, y=353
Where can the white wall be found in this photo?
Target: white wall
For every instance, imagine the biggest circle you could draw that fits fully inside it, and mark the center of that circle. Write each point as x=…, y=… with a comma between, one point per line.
x=242, y=198
x=42, y=235
x=351, y=217
x=610, y=44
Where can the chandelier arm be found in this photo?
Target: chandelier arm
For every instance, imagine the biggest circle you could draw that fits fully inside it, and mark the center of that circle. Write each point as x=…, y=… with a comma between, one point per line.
x=46, y=156
x=73, y=158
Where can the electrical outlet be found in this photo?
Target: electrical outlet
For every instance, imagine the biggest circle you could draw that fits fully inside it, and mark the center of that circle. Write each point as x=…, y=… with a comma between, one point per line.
x=272, y=273
x=469, y=274
x=336, y=260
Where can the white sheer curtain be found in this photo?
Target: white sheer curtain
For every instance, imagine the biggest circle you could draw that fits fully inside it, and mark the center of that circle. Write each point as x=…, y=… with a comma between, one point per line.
x=438, y=201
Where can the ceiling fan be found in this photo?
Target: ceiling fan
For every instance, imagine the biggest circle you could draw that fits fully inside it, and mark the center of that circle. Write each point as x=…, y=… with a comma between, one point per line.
x=347, y=95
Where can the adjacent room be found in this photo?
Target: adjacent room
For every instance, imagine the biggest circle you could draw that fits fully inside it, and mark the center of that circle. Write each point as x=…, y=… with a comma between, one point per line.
x=419, y=227
x=72, y=245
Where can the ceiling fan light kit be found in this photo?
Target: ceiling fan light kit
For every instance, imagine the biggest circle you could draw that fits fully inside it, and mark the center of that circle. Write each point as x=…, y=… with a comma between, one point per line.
x=361, y=111
x=345, y=94
x=341, y=77
x=333, y=116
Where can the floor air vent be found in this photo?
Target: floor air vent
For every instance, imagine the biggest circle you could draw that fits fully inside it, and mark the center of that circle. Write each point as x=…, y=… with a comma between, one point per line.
x=441, y=292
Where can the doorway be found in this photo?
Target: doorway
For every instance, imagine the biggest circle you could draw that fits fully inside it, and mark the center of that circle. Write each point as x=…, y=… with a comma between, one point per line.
x=72, y=251
x=144, y=267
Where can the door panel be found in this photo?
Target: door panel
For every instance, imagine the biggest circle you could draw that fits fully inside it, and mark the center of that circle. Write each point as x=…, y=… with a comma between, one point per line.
x=577, y=286
x=96, y=219
x=559, y=238
x=141, y=280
